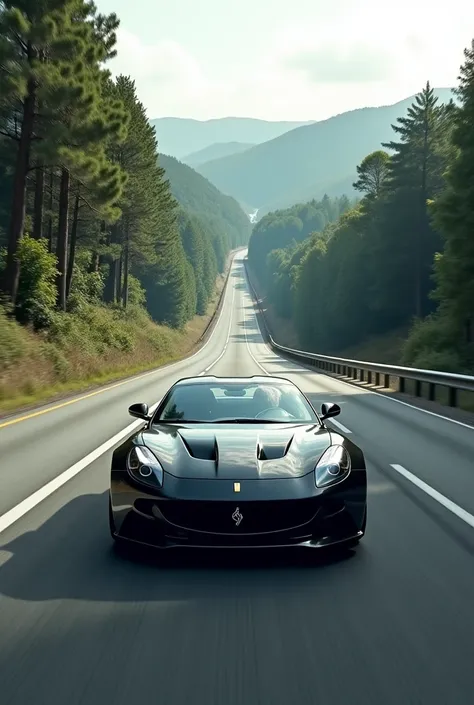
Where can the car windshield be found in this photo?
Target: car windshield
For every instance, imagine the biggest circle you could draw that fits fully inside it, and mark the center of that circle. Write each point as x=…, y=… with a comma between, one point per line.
x=236, y=402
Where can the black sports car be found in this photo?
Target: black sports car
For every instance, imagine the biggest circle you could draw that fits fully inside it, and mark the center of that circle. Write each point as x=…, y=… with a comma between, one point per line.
x=237, y=462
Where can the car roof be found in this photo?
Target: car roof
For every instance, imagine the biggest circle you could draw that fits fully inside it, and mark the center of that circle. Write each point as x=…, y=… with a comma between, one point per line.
x=212, y=379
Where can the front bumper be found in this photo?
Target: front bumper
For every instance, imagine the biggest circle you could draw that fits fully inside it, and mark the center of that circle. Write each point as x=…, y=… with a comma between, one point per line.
x=329, y=518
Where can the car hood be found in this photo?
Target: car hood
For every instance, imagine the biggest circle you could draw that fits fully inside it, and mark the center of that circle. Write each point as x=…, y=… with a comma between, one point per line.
x=237, y=452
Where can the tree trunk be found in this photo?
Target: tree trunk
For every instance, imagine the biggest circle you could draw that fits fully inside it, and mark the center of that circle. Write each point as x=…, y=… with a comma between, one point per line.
x=110, y=285
x=102, y=241
x=94, y=265
x=72, y=247
x=39, y=202
x=11, y=275
x=112, y=280
x=126, y=255
x=420, y=239
x=468, y=330
x=50, y=219
x=61, y=248
x=118, y=280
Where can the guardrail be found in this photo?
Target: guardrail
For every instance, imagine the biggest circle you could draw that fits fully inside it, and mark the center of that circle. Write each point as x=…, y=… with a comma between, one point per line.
x=373, y=372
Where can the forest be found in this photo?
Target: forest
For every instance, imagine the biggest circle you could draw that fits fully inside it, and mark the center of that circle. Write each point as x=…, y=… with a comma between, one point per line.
x=97, y=240
x=403, y=256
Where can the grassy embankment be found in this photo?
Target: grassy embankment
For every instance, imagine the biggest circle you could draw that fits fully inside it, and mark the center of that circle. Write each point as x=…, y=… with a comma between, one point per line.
x=87, y=349
x=385, y=349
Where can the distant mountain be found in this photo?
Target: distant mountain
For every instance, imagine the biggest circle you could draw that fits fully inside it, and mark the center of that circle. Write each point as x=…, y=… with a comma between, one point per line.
x=217, y=212
x=181, y=136
x=308, y=161
x=215, y=151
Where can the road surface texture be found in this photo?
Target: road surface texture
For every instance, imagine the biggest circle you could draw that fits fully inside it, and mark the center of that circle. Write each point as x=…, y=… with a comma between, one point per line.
x=390, y=624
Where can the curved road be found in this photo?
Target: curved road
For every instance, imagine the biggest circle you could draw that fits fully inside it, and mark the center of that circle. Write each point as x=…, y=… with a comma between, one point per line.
x=391, y=624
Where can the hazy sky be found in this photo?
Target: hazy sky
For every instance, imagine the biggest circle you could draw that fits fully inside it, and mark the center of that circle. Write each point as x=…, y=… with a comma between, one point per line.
x=286, y=59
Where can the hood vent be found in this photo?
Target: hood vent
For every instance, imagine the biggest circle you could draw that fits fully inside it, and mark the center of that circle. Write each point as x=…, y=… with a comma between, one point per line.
x=202, y=447
x=209, y=446
x=273, y=449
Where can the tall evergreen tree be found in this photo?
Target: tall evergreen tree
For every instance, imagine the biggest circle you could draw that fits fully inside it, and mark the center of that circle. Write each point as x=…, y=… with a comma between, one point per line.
x=50, y=108
x=145, y=233
x=416, y=175
x=454, y=215
x=31, y=34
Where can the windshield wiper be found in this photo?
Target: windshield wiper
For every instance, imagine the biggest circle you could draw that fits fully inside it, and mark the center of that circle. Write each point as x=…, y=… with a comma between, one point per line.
x=183, y=421
x=232, y=420
x=244, y=420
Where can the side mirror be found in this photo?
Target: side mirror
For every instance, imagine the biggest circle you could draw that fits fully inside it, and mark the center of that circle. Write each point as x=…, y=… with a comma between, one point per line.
x=329, y=410
x=140, y=411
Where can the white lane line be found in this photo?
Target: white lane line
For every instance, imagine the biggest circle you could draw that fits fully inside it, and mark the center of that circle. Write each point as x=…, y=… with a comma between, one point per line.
x=246, y=339
x=17, y=512
x=40, y=495
x=340, y=426
x=434, y=494
x=417, y=408
x=227, y=338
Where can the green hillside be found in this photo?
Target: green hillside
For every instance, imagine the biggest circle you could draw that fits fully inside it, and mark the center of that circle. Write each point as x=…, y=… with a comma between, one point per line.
x=181, y=136
x=221, y=215
x=216, y=151
x=308, y=161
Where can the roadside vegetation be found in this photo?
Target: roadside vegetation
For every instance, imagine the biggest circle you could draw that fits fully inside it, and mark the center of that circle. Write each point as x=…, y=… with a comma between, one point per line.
x=96, y=346
x=104, y=267
x=402, y=258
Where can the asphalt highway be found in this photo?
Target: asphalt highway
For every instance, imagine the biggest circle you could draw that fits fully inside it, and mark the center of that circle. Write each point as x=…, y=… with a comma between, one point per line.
x=390, y=624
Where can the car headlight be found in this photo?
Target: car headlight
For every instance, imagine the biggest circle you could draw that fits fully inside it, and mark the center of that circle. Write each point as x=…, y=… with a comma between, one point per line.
x=333, y=466
x=144, y=467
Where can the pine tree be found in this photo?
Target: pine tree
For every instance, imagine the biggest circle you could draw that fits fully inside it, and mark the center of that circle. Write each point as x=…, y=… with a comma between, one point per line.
x=416, y=175
x=168, y=291
x=80, y=129
x=201, y=256
x=52, y=93
x=454, y=214
x=30, y=36
x=146, y=231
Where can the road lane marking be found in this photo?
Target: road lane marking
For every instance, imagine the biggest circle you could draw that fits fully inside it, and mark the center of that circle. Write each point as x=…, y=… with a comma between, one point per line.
x=434, y=494
x=417, y=408
x=33, y=414
x=17, y=512
x=246, y=339
x=340, y=426
x=227, y=339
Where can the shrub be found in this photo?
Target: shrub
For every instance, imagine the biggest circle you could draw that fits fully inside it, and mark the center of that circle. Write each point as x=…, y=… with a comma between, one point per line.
x=36, y=297
x=13, y=343
x=434, y=344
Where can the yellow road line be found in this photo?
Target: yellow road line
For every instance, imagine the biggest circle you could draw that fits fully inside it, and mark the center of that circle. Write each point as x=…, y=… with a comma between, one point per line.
x=74, y=401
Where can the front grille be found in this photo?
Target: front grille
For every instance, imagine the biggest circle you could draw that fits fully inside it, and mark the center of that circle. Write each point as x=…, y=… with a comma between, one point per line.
x=257, y=517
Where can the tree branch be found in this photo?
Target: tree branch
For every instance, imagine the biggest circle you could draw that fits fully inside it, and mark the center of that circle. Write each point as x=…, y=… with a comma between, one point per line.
x=89, y=205
x=10, y=136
